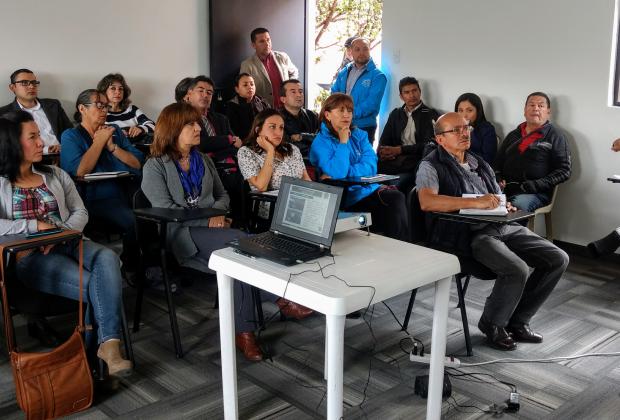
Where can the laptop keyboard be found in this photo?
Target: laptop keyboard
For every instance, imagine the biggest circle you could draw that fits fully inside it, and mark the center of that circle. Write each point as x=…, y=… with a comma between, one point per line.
x=282, y=244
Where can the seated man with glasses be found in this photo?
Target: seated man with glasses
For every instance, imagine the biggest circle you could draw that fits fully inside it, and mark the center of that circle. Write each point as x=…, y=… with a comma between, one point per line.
x=48, y=113
x=509, y=250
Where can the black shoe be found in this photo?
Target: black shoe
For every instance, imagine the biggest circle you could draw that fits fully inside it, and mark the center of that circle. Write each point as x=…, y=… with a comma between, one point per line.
x=604, y=246
x=41, y=330
x=523, y=333
x=497, y=336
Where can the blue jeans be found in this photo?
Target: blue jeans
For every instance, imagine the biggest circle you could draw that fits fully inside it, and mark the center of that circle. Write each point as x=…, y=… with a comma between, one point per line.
x=530, y=202
x=57, y=274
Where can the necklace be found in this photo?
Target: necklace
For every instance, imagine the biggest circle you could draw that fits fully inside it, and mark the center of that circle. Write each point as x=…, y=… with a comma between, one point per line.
x=184, y=159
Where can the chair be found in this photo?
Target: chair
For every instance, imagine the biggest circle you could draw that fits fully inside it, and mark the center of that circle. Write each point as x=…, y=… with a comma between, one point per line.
x=469, y=267
x=152, y=242
x=31, y=302
x=547, y=212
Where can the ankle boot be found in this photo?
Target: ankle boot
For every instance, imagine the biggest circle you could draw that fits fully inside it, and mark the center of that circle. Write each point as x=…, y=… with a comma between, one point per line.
x=110, y=353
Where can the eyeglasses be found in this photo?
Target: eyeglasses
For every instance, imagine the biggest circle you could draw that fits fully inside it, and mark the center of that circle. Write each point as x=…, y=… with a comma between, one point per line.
x=460, y=129
x=98, y=105
x=26, y=83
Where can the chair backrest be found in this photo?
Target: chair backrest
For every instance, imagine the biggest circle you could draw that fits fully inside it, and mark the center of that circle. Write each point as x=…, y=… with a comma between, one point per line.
x=139, y=200
x=417, y=219
x=548, y=207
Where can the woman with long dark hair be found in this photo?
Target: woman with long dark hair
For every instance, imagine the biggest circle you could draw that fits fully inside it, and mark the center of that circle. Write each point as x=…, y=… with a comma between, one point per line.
x=483, y=138
x=34, y=197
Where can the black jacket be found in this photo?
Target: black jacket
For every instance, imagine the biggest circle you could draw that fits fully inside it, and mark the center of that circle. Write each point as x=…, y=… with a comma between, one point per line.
x=53, y=111
x=241, y=114
x=447, y=235
x=305, y=123
x=218, y=147
x=397, y=121
x=544, y=164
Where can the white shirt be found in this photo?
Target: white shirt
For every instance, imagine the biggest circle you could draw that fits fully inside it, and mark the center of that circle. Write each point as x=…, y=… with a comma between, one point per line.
x=408, y=135
x=47, y=134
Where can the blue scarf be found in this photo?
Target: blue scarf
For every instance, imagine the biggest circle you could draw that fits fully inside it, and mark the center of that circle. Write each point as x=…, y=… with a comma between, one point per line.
x=192, y=179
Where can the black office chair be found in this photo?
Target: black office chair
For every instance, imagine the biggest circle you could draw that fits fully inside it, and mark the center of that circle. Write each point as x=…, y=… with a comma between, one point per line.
x=469, y=266
x=151, y=244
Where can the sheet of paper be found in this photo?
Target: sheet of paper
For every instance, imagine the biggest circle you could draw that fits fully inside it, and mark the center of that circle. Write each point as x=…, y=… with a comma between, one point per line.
x=500, y=210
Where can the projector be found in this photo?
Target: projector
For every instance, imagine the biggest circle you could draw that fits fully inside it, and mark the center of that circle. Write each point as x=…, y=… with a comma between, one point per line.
x=352, y=220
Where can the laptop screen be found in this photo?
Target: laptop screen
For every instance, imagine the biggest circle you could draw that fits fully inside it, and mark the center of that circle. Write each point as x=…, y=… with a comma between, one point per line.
x=307, y=210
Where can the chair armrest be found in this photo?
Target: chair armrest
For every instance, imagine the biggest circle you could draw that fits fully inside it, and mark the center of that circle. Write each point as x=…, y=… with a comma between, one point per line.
x=165, y=215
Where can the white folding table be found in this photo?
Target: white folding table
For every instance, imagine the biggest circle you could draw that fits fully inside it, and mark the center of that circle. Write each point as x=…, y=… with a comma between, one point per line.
x=391, y=267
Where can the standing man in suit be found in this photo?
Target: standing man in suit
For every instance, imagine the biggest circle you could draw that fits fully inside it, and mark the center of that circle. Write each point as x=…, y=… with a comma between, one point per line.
x=363, y=81
x=48, y=113
x=268, y=68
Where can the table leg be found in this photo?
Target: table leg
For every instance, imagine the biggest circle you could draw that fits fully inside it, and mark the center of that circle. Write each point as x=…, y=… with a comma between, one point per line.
x=438, y=348
x=227, y=344
x=335, y=354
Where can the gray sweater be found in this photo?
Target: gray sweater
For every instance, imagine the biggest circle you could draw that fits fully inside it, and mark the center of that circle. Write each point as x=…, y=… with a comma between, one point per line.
x=162, y=186
x=70, y=206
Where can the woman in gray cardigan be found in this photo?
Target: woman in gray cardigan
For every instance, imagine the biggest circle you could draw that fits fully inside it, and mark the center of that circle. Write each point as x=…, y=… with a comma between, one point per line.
x=177, y=175
x=35, y=197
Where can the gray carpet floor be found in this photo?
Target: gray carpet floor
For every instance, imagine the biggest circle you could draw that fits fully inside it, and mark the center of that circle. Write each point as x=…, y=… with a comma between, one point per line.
x=582, y=315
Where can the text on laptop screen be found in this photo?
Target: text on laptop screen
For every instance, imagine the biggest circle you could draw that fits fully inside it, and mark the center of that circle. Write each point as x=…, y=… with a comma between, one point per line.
x=307, y=210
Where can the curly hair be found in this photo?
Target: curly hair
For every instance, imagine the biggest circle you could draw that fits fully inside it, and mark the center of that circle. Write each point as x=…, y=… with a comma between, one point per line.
x=107, y=81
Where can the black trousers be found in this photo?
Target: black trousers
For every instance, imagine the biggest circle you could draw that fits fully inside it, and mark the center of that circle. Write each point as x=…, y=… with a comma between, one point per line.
x=388, y=210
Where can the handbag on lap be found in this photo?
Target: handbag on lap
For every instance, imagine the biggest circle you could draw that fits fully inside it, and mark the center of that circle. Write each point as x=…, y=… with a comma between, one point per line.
x=53, y=384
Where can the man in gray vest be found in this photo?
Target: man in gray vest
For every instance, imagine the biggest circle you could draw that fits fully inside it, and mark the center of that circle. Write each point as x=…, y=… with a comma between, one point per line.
x=509, y=250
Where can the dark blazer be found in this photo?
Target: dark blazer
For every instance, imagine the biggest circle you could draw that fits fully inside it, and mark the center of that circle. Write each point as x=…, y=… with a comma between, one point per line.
x=218, y=147
x=53, y=111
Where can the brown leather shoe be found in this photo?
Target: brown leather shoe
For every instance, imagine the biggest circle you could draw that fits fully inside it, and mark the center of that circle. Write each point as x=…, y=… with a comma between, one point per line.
x=246, y=342
x=292, y=309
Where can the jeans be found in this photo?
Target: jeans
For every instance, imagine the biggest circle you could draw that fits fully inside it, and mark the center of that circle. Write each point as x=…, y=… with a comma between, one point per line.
x=208, y=240
x=510, y=251
x=117, y=212
x=530, y=202
x=57, y=274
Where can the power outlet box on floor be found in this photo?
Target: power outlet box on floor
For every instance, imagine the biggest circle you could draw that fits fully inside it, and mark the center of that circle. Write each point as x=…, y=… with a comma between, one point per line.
x=452, y=362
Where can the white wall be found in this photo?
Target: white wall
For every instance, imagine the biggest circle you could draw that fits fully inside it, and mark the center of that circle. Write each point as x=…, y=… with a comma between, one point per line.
x=72, y=44
x=504, y=50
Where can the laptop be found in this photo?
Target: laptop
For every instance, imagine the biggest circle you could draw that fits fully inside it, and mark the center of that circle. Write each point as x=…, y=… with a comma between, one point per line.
x=302, y=227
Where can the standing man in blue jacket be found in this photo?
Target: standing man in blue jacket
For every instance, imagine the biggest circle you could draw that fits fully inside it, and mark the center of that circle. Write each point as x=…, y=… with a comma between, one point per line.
x=363, y=81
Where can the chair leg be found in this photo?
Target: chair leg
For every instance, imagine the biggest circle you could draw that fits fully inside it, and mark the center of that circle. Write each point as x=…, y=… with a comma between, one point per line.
x=549, y=226
x=409, y=309
x=461, y=293
x=127, y=336
x=259, y=308
x=171, y=309
x=137, y=312
x=531, y=223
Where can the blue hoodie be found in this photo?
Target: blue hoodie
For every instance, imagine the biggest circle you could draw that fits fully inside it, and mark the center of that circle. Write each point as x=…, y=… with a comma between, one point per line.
x=367, y=93
x=354, y=158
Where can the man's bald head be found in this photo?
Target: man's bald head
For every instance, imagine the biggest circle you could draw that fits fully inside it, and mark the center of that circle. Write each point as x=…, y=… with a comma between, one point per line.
x=452, y=132
x=360, y=51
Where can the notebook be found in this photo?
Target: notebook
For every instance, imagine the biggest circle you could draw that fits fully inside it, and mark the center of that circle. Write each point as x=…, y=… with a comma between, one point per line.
x=500, y=210
x=303, y=224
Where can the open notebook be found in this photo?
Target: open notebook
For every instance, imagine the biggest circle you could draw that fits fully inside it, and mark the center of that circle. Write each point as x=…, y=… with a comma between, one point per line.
x=500, y=210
